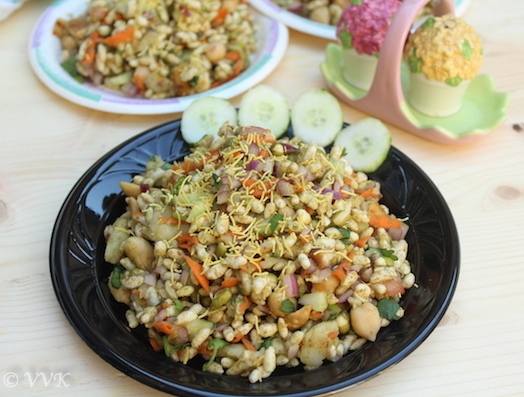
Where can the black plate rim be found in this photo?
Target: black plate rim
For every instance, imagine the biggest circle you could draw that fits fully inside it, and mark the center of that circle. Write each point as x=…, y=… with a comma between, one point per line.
x=71, y=308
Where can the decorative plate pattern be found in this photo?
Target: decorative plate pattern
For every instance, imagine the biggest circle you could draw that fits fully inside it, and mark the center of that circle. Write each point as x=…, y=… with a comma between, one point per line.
x=45, y=58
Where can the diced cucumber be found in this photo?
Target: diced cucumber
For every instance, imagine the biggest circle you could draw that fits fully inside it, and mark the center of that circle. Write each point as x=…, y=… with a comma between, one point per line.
x=194, y=326
x=367, y=144
x=263, y=106
x=316, y=117
x=317, y=300
x=205, y=116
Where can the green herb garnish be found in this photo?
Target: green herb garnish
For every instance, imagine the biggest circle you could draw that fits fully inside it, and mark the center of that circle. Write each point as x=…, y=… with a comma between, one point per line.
x=215, y=345
x=388, y=309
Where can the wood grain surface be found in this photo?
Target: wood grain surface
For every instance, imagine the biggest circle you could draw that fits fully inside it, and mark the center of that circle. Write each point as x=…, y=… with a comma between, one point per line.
x=47, y=143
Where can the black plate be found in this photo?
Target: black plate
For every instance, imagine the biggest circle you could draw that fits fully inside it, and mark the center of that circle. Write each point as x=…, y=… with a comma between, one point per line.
x=79, y=276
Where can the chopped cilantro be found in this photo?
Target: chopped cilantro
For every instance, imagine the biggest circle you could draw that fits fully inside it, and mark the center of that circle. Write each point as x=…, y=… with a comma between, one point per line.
x=388, y=309
x=215, y=345
x=69, y=65
x=287, y=306
x=346, y=234
x=178, y=184
x=169, y=348
x=217, y=181
x=274, y=222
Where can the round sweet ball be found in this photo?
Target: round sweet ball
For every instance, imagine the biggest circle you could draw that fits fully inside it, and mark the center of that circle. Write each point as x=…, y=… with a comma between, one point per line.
x=364, y=23
x=445, y=49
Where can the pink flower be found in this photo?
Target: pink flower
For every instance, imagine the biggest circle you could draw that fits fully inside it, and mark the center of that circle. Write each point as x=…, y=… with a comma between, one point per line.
x=363, y=24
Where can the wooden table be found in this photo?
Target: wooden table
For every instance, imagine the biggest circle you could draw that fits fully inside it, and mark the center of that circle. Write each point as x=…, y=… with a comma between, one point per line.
x=47, y=143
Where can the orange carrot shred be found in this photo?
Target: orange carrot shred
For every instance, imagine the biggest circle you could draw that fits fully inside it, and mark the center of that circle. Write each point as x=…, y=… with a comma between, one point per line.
x=361, y=242
x=154, y=344
x=248, y=345
x=125, y=36
x=163, y=326
x=197, y=270
x=230, y=282
x=187, y=241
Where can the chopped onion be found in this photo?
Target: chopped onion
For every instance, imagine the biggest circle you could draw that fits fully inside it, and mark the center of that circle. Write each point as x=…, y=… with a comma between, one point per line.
x=254, y=165
x=289, y=148
x=291, y=284
x=284, y=188
x=398, y=233
x=253, y=149
x=150, y=279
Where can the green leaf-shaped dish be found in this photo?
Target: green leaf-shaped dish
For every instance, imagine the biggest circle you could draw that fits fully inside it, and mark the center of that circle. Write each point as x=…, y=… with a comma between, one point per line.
x=482, y=110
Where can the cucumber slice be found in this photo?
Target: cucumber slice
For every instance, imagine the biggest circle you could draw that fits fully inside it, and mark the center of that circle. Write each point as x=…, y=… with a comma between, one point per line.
x=263, y=106
x=317, y=117
x=367, y=143
x=205, y=116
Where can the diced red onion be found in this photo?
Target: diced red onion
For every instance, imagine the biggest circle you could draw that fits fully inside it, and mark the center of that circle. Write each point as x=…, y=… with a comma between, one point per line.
x=253, y=149
x=308, y=175
x=161, y=315
x=398, y=233
x=184, y=276
x=291, y=284
x=344, y=297
x=289, y=148
x=284, y=188
x=253, y=165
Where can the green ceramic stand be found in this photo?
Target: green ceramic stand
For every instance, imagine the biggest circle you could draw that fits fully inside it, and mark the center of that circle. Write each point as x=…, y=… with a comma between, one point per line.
x=482, y=110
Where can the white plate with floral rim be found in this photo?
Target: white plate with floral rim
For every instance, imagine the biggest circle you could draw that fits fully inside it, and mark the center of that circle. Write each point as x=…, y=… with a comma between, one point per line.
x=297, y=22
x=45, y=59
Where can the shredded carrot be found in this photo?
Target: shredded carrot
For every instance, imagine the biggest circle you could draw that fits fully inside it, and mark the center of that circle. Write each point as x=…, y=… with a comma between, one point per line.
x=187, y=241
x=169, y=220
x=238, y=336
x=361, y=242
x=232, y=55
x=333, y=335
x=197, y=270
x=257, y=188
x=369, y=193
x=90, y=53
x=244, y=305
x=188, y=165
x=230, y=282
x=379, y=219
x=154, y=344
x=163, y=326
x=316, y=315
x=125, y=36
x=202, y=349
x=221, y=16
x=263, y=154
x=305, y=238
x=139, y=83
x=248, y=345
x=340, y=272
x=384, y=222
